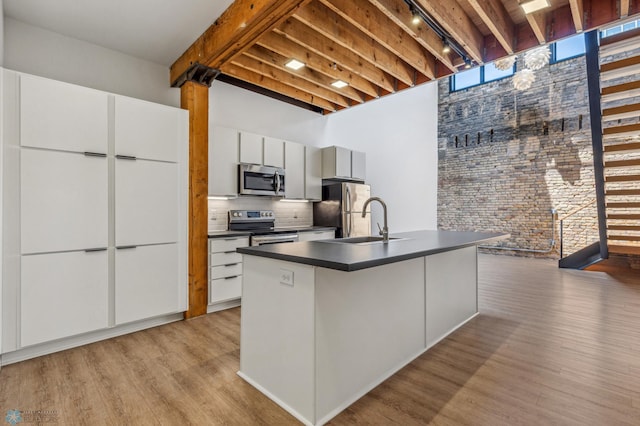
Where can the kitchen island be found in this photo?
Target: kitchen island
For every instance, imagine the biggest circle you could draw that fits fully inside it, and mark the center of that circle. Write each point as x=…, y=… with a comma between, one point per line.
x=324, y=322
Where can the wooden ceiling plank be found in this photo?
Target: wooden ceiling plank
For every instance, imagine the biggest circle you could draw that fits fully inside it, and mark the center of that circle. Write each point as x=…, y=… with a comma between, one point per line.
x=538, y=23
x=306, y=73
x=342, y=57
x=577, y=12
x=375, y=24
x=267, y=70
x=276, y=86
x=496, y=17
x=398, y=12
x=624, y=7
x=455, y=21
x=233, y=31
x=333, y=26
x=280, y=44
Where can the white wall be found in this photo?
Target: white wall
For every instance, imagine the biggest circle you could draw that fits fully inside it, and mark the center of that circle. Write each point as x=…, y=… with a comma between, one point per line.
x=399, y=134
x=1, y=33
x=230, y=106
x=41, y=52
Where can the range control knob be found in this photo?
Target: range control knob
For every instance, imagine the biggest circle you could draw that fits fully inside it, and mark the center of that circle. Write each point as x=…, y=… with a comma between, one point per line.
x=270, y=213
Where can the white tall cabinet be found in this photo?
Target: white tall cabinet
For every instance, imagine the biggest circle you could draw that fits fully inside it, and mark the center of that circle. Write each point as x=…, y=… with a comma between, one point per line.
x=99, y=186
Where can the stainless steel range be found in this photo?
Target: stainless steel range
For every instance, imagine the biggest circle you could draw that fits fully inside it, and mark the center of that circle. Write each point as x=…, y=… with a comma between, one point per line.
x=261, y=224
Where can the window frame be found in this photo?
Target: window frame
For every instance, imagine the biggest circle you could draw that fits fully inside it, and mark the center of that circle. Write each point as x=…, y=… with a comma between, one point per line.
x=452, y=87
x=554, y=51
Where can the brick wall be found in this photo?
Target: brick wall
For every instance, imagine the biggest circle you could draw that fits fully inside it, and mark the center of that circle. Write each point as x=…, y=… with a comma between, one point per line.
x=507, y=157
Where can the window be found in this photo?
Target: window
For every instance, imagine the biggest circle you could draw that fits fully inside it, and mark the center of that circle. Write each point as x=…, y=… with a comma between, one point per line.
x=568, y=48
x=620, y=28
x=478, y=75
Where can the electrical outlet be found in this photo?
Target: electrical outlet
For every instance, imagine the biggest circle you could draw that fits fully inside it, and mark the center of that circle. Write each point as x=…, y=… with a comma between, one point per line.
x=286, y=277
x=212, y=214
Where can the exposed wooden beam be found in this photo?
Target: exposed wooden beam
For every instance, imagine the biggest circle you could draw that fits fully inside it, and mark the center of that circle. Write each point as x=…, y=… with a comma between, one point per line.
x=280, y=44
x=375, y=24
x=577, y=12
x=624, y=8
x=236, y=29
x=496, y=17
x=276, y=86
x=331, y=25
x=195, y=98
x=267, y=70
x=324, y=46
x=398, y=12
x=538, y=23
x=456, y=22
x=307, y=73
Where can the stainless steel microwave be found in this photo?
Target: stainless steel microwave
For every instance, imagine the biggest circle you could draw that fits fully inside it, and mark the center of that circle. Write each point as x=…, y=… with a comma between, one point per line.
x=261, y=180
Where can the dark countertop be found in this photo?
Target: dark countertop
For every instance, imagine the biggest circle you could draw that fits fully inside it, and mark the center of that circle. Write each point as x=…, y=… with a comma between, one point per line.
x=352, y=257
x=228, y=234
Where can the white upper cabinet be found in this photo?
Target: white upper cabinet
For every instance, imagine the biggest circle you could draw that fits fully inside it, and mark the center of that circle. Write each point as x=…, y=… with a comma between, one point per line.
x=250, y=148
x=147, y=202
x=147, y=282
x=294, y=170
x=62, y=116
x=63, y=203
x=273, y=152
x=358, y=165
x=223, y=161
x=63, y=294
x=147, y=130
x=313, y=173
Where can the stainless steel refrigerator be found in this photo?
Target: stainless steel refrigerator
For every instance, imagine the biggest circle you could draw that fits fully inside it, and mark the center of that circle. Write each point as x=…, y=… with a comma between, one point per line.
x=341, y=206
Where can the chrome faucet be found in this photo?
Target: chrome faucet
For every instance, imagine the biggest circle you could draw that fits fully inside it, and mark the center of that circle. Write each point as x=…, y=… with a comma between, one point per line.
x=385, y=230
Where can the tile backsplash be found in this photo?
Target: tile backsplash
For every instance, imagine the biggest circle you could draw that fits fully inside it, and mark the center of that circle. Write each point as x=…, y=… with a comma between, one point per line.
x=287, y=214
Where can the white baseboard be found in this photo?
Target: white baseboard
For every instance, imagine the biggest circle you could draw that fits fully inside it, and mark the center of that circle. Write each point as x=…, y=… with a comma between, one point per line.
x=223, y=305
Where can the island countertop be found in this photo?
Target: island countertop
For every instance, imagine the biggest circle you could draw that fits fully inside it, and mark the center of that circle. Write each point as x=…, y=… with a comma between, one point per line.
x=332, y=254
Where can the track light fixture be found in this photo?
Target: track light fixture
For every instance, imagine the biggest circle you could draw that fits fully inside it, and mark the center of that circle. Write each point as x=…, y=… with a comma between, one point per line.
x=415, y=20
x=445, y=47
x=467, y=63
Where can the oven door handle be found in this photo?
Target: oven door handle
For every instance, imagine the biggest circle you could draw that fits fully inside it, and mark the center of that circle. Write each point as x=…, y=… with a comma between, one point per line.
x=274, y=238
x=276, y=177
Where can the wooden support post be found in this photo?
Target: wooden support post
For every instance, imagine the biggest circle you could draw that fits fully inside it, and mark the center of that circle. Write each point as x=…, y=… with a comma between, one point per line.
x=195, y=98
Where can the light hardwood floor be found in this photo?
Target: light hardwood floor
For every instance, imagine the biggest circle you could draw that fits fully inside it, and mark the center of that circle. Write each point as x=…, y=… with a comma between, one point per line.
x=550, y=346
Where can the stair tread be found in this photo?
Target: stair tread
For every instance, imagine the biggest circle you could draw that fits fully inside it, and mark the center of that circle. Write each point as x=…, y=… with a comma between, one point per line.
x=620, y=88
x=615, y=130
x=623, y=205
x=622, y=178
x=623, y=249
x=623, y=227
x=622, y=63
x=623, y=238
x=621, y=109
x=625, y=216
x=623, y=163
x=608, y=42
x=618, y=192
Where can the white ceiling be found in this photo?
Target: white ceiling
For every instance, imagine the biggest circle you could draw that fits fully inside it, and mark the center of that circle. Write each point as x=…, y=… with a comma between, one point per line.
x=156, y=30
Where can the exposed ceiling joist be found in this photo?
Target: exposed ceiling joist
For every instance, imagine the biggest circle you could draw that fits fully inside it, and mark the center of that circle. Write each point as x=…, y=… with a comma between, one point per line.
x=538, y=23
x=624, y=8
x=375, y=24
x=577, y=12
x=496, y=17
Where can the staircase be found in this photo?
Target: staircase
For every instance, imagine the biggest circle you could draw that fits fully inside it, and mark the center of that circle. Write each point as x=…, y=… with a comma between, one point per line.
x=613, y=74
x=620, y=103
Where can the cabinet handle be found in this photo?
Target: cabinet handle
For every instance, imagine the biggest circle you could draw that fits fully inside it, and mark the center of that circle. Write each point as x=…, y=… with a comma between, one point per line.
x=230, y=278
x=126, y=157
x=126, y=247
x=231, y=239
x=94, y=154
x=230, y=264
x=93, y=250
x=229, y=252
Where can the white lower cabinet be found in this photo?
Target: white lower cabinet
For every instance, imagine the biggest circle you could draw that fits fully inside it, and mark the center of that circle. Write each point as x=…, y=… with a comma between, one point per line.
x=225, y=269
x=316, y=235
x=147, y=282
x=63, y=294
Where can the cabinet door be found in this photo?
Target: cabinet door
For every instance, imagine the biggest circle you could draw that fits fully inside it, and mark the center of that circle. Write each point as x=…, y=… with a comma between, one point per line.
x=225, y=289
x=273, y=152
x=63, y=201
x=343, y=162
x=250, y=148
x=147, y=130
x=147, y=282
x=313, y=173
x=147, y=202
x=62, y=116
x=294, y=170
x=63, y=294
x=223, y=162
x=358, y=165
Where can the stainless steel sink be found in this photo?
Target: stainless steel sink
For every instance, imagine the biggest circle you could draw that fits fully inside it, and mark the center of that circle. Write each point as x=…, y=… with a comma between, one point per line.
x=363, y=240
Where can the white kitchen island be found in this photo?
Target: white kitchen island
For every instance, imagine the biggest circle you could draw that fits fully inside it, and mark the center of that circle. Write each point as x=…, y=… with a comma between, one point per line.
x=325, y=322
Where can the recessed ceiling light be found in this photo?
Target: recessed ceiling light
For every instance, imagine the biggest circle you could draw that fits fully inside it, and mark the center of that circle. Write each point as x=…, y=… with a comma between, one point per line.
x=294, y=64
x=534, y=5
x=339, y=84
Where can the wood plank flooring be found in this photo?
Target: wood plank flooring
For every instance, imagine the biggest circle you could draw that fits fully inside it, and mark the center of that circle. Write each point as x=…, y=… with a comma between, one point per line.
x=550, y=347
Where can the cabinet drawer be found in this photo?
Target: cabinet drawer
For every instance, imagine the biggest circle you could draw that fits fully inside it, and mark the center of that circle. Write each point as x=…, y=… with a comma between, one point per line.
x=225, y=289
x=226, y=271
x=219, y=245
x=225, y=258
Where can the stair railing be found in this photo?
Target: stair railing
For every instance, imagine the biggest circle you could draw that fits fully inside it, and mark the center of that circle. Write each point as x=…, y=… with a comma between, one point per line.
x=567, y=216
